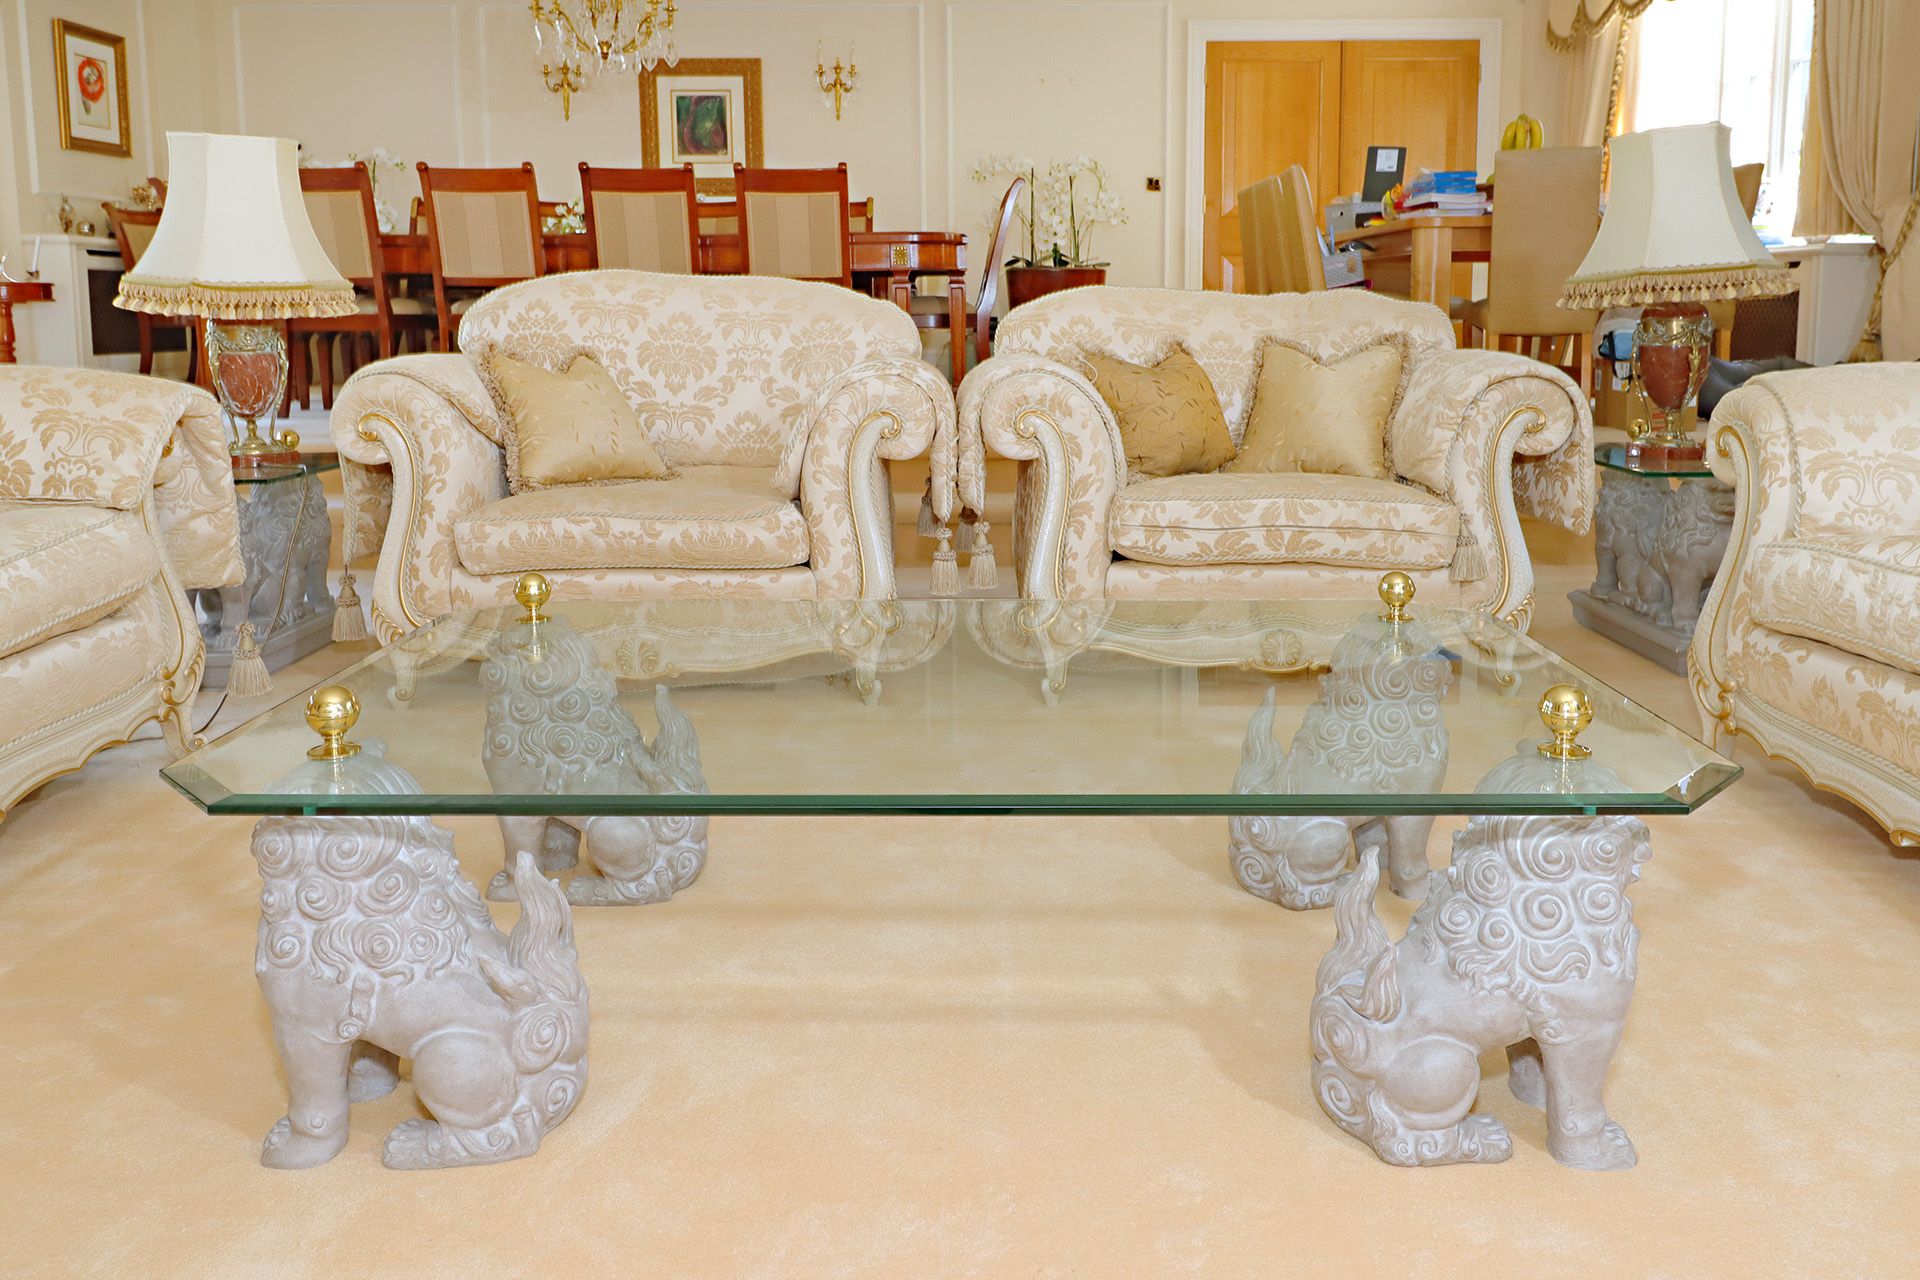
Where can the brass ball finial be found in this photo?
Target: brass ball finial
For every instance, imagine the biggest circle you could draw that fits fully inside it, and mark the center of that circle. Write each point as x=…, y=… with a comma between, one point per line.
x=1565, y=711
x=1396, y=592
x=331, y=711
x=532, y=591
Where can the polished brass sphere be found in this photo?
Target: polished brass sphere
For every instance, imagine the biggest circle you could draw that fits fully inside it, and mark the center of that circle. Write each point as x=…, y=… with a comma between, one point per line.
x=331, y=711
x=1396, y=592
x=1566, y=711
x=532, y=591
x=287, y=438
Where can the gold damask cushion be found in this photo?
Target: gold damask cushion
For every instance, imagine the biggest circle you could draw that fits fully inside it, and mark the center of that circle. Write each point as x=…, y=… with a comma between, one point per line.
x=65, y=565
x=1283, y=518
x=703, y=518
x=574, y=427
x=1328, y=418
x=1860, y=593
x=1169, y=416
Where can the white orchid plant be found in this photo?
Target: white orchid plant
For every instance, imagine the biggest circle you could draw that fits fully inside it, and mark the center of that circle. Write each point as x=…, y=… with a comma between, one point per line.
x=1064, y=204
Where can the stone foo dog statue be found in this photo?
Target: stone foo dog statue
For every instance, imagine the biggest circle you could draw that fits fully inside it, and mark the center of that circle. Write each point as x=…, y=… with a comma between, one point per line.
x=1526, y=941
x=1661, y=546
x=1376, y=728
x=373, y=948
x=554, y=724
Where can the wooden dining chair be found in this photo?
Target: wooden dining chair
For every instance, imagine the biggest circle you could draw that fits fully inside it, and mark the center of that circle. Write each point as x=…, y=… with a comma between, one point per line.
x=483, y=231
x=340, y=206
x=860, y=214
x=642, y=219
x=159, y=186
x=133, y=230
x=935, y=310
x=793, y=223
x=1280, y=236
x=1546, y=211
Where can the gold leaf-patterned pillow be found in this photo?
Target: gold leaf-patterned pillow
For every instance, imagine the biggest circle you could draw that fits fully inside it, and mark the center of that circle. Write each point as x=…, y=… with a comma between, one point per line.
x=1170, y=419
x=569, y=428
x=1326, y=418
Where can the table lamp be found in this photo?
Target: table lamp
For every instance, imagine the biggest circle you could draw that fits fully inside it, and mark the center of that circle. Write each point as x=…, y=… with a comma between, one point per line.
x=235, y=247
x=1674, y=238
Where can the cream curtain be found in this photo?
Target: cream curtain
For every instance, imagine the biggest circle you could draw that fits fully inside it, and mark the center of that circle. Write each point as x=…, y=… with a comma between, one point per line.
x=1592, y=79
x=1858, y=162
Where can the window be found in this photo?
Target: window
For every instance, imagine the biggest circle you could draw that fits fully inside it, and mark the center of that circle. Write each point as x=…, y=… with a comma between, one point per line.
x=1741, y=62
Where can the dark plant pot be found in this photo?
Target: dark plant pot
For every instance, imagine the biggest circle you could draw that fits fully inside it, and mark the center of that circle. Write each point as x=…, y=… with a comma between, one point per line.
x=1024, y=284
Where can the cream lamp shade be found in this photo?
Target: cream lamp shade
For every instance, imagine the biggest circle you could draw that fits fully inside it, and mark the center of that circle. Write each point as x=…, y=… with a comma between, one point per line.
x=1674, y=229
x=234, y=242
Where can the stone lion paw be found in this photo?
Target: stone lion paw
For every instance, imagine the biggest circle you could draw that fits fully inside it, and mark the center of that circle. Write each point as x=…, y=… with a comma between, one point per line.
x=285, y=1149
x=1608, y=1148
x=1485, y=1139
x=500, y=888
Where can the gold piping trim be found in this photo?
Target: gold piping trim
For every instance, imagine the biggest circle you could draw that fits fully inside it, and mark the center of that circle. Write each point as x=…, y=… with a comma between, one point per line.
x=413, y=503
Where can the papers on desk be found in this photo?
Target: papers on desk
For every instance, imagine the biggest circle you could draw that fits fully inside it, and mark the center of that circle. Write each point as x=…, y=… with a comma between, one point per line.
x=1450, y=191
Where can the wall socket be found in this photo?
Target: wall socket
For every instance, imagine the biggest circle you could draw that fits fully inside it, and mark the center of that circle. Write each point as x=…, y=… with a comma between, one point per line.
x=1153, y=184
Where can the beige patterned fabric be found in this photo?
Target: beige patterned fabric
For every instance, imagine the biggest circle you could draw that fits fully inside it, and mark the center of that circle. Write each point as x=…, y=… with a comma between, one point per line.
x=485, y=235
x=63, y=566
x=1810, y=638
x=795, y=234
x=340, y=223
x=642, y=231
x=1283, y=518
x=1463, y=420
x=703, y=518
x=1138, y=580
x=812, y=386
x=102, y=477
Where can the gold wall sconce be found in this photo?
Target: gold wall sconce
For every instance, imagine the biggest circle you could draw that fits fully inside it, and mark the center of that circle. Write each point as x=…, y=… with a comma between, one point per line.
x=838, y=86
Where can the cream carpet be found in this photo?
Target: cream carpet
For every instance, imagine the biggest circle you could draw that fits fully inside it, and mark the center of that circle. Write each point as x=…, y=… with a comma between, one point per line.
x=992, y=1047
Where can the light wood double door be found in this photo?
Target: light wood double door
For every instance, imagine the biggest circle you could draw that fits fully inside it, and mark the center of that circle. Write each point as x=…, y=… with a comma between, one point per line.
x=1320, y=104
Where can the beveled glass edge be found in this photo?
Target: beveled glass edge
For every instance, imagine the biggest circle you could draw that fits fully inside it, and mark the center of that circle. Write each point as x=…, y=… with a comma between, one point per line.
x=1604, y=456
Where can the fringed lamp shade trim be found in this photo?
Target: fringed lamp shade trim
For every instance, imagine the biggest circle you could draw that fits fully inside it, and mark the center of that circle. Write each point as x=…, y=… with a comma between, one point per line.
x=1683, y=284
x=248, y=302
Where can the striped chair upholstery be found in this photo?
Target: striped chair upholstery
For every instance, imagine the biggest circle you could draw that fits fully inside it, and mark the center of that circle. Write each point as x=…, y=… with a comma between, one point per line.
x=484, y=235
x=338, y=222
x=793, y=223
x=643, y=230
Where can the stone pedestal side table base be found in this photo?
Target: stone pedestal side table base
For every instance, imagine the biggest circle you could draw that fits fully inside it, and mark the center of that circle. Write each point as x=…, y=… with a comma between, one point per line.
x=1657, y=547
x=285, y=540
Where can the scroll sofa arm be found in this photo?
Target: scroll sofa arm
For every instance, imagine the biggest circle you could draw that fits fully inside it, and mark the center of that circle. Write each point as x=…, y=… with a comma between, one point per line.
x=193, y=499
x=1032, y=409
x=886, y=408
x=428, y=420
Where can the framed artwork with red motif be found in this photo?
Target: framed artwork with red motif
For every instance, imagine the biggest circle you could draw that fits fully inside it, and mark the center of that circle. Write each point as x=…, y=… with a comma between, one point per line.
x=91, y=71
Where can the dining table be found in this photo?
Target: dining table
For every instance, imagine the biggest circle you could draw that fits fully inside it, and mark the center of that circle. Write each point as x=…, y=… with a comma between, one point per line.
x=1430, y=243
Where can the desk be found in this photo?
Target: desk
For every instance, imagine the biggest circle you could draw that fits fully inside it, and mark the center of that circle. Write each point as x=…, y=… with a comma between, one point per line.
x=1432, y=243
x=11, y=292
x=884, y=262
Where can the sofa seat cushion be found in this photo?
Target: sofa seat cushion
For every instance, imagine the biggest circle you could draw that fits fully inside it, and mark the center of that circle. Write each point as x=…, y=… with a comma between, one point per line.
x=1856, y=592
x=702, y=518
x=1283, y=518
x=66, y=565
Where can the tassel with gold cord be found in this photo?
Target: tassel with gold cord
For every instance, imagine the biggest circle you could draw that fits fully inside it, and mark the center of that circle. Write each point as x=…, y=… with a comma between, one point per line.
x=349, y=624
x=983, y=573
x=946, y=566
x=248, y=676
x=1469, y=561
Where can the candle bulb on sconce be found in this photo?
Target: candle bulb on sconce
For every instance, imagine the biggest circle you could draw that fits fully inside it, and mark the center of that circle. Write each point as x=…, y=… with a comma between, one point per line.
x=839, y=86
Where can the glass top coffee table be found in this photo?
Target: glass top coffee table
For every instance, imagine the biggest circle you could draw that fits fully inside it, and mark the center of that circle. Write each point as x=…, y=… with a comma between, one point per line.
x=603, y=737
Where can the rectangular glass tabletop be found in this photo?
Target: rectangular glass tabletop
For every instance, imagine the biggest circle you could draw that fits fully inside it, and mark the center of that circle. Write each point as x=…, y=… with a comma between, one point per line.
x=978, y=706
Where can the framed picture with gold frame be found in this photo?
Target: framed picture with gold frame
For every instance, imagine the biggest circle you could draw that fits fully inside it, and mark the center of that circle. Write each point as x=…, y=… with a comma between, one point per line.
x=90, y=67
x=704, y=112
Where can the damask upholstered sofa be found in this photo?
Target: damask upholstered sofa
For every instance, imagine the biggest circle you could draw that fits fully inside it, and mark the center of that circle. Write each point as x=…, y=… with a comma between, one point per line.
x=775, y=401
x=1476, y=439
x=116, y=495
x=1809, y=641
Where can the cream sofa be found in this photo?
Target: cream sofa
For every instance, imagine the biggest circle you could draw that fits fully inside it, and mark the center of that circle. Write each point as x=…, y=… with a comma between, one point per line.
x=1809, y=642
x=1084, y=529
x=775, y=400
x=116, y=494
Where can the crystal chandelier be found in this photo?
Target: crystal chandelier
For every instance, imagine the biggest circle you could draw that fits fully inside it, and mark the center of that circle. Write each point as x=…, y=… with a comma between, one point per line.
x=576, y=40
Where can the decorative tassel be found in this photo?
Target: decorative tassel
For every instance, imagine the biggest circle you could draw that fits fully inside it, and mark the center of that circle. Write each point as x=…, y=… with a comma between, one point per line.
x=248, y=677
x=349, y=624
x=946, y=566
x=1469, y=561
x=983, y=574
x=929, y=525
